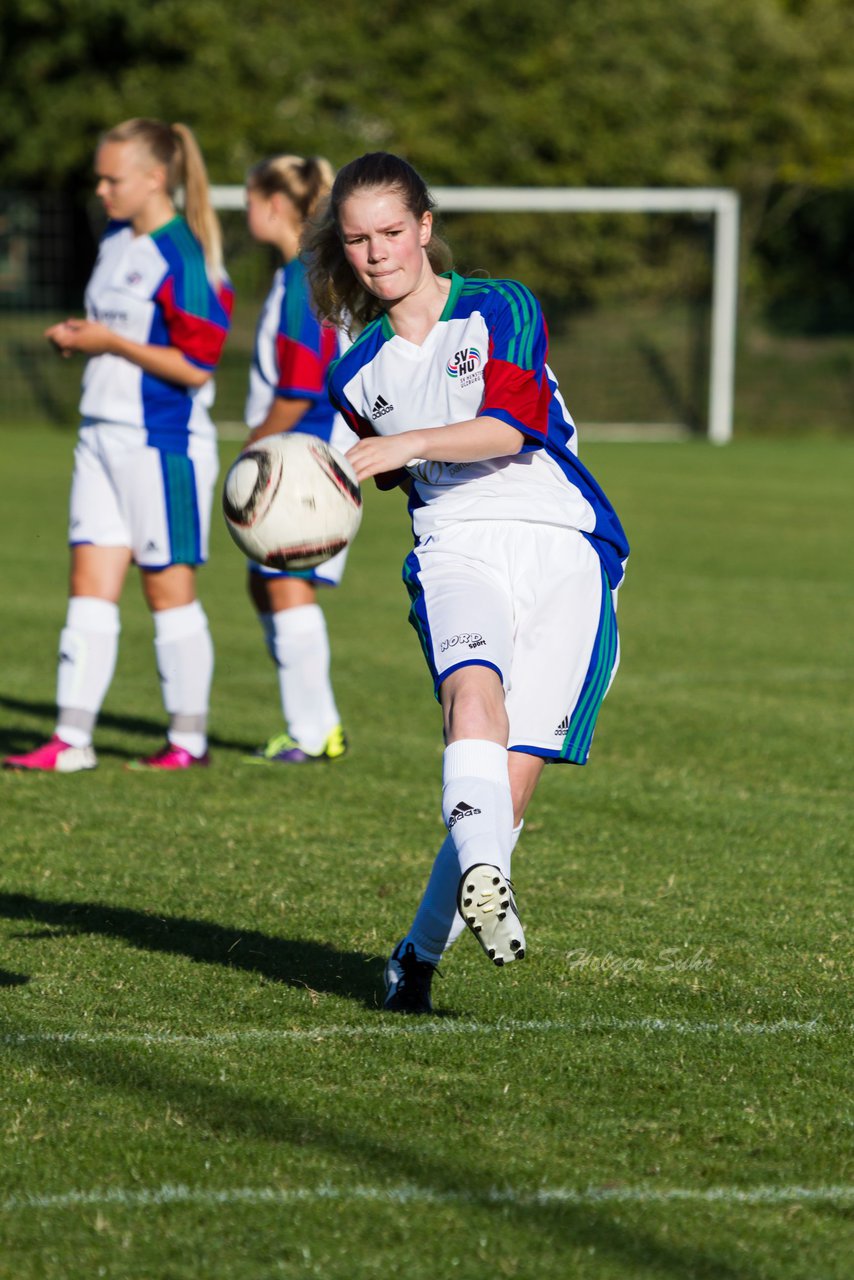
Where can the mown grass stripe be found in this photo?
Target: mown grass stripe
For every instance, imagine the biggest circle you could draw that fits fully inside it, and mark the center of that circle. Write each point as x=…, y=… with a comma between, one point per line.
x=168, y=1194
x=434, y=1027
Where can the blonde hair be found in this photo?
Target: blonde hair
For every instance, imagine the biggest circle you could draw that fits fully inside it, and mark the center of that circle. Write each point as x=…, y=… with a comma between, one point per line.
x=338, y=294
x=175, y=147
x=304, y=182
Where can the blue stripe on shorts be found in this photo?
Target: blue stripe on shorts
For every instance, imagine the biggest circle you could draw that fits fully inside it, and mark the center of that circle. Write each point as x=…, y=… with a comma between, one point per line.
x=182, y=508
x=417, y=610
x=576, y=745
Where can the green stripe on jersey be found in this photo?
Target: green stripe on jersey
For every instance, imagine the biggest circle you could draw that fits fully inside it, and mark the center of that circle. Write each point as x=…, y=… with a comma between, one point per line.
x=194, y=277
x=294, y=304
x=521, y=303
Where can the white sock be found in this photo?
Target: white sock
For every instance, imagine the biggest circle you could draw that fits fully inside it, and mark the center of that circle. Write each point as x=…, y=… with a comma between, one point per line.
x=185, y=660
x=299, y=645
x=476, y=802
x=478, y=808
x=438, y=923
x=88, y=647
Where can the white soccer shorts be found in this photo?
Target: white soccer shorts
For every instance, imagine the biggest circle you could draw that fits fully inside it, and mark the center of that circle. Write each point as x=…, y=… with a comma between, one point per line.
x=532, y=602
x=126, y=493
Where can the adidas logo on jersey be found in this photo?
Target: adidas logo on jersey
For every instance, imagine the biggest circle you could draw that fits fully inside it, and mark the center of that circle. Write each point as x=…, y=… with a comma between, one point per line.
x=563, y=728
x=462, y=810
x=381, y=408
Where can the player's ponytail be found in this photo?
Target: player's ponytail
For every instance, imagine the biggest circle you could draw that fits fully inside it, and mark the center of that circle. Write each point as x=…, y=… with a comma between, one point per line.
x=338, y=295
x=199, y=211
x=174, y=146
x=305, y=182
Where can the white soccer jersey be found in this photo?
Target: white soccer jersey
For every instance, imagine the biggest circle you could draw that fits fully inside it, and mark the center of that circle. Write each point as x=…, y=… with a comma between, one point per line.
x=154, y=289
x=486, y=356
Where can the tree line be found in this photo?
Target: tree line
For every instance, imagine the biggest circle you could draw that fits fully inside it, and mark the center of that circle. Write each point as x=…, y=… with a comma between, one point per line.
x=757, y=95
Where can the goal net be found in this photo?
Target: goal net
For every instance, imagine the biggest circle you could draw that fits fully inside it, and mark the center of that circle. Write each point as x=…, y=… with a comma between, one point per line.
x=639, y=288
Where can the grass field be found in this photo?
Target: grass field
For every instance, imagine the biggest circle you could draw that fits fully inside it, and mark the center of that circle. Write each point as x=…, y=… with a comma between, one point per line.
x=197, y=1081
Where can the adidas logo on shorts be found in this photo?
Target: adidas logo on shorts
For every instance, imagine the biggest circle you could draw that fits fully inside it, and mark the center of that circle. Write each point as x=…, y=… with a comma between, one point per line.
x=563, y=728
x=462, y=810
x=381, y=408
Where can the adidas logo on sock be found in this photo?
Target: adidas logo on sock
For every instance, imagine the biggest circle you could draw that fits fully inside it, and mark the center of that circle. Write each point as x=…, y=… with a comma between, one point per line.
x=381, y=408
x=563, y=728
x=462, y=810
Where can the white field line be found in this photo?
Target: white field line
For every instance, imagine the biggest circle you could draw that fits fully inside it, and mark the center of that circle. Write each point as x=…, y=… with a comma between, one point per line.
x=544, y=1197
x=439, y=1027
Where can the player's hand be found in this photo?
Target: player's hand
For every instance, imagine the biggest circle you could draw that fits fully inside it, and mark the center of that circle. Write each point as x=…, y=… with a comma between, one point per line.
x=378, y=454
x=85, y=336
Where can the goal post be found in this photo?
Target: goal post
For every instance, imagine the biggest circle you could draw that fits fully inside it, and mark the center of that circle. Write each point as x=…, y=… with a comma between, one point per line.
x=719, y=203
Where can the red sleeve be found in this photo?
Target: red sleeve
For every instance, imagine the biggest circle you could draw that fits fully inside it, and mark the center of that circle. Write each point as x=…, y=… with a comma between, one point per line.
x=516, y=396
x=199, y=338
x=302, y=369
x=516, y=389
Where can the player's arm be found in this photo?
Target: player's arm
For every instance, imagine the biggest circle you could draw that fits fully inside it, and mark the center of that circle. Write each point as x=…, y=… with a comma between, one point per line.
x=283, y=416
x=475, y=440
x=90, y=338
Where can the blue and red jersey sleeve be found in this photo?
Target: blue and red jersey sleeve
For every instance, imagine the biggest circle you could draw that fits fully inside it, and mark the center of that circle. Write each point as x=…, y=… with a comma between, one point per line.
x=515, y=387
x=305, y=347
x=195, y=314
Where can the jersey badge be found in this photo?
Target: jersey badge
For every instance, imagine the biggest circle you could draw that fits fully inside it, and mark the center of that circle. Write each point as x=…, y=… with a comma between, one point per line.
x=465, y=364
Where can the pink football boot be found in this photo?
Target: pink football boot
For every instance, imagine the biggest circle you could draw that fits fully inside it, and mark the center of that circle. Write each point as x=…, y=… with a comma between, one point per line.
x=55, y=756
x=168, y=758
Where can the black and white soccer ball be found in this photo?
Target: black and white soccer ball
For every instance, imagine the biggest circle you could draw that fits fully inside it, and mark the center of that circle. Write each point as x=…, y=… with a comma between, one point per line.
x=291, y=501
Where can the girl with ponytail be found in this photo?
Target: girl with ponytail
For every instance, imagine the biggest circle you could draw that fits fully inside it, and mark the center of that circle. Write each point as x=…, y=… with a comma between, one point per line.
x=157, y=313
x=287, y=392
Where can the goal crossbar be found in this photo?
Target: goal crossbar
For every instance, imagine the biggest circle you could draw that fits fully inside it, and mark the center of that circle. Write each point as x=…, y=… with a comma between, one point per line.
x=722, y=204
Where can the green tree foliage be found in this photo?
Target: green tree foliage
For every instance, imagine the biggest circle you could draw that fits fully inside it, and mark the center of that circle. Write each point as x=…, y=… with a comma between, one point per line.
x=758, y=95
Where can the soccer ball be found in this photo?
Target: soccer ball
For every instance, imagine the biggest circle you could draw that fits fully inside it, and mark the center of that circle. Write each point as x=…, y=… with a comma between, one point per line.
x=291, y=501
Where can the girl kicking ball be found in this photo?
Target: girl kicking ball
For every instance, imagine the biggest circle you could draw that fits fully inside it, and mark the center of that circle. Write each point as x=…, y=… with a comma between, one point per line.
x=518, y=553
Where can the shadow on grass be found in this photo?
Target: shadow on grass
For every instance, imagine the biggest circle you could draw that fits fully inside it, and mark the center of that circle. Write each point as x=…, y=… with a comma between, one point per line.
x=8, y=979
x=296, y=962
x=13, y=740
x=294, y=1121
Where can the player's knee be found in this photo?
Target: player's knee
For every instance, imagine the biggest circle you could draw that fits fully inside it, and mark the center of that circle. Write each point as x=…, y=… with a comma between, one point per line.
x=473, y=705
